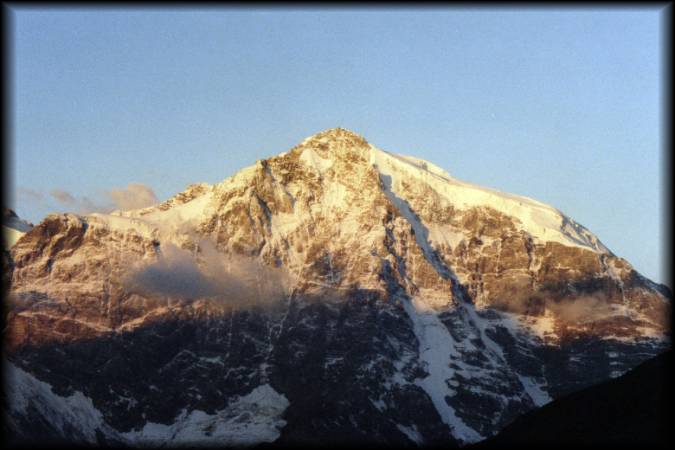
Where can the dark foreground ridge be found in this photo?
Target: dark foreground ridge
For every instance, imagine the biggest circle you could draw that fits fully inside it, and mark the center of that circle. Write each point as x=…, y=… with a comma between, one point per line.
x=627, y=411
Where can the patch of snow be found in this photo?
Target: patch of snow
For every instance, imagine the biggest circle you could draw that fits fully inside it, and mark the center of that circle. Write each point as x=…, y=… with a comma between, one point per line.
x=249, y=420
x=421, y=232
x=423, y=165
x=177, y=216
x=543, y=222
x=213, y=360
x=121, y=224
x=542, y=327
x=379, y=404
x=445, y=235
x=17, y=224
x=11, y=235
x=332, y=360
x=495, y=353
x=534, y=390
x=176, y=224
x=13, y=228
x=311, y=159
x=412, y=433
x=74, y=416
x=437, y=346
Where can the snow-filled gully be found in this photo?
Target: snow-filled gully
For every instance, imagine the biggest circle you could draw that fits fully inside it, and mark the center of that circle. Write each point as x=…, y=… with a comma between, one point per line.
x=437, y=348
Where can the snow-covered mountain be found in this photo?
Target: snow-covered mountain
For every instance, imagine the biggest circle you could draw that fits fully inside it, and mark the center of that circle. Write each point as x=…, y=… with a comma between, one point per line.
x=335, y=292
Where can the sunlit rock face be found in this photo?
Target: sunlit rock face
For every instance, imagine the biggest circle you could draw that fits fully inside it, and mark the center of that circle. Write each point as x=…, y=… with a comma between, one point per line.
x=333, y=292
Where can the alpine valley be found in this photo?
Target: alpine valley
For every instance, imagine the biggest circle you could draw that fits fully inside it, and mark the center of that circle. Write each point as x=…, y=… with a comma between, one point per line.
x=335, y=293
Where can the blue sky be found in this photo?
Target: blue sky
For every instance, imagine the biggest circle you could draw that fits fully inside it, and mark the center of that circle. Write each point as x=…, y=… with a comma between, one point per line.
x=563, y=106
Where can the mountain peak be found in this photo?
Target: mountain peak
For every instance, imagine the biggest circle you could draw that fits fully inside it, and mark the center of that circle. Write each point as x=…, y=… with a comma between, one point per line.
x=337, y=135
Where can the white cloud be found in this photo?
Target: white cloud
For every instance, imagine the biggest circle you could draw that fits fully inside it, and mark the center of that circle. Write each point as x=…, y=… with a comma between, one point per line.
x=235, y=280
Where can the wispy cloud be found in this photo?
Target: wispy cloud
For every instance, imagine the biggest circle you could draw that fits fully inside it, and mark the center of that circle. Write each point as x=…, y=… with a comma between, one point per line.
x=235, y=280
x=88, y=206
x=81, y=205
x=134, y=196
x=29, y=196
x=63, y=197
x=585, y=308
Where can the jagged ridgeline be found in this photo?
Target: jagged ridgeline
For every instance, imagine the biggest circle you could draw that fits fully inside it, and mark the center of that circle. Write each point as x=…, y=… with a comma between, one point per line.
x=333, y=293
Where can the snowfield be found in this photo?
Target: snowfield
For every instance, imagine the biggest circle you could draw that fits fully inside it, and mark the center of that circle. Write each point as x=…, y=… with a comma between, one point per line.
x=248, y=420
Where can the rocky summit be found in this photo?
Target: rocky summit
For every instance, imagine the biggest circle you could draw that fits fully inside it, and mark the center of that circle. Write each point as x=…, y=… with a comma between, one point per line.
x=335, y=293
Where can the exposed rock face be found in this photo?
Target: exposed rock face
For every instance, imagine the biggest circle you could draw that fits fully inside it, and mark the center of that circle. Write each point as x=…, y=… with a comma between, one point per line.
x=418, y=308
